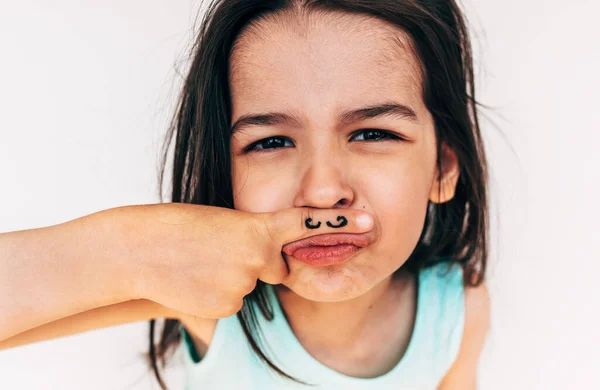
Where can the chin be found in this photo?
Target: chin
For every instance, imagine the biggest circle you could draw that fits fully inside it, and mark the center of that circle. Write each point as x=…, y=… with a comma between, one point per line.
x=327, y=284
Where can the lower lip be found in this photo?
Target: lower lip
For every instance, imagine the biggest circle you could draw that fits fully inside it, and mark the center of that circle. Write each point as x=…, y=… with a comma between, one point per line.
x=321, y=256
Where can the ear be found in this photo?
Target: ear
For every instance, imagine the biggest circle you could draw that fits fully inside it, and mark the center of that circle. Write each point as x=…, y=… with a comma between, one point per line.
x=447, y=184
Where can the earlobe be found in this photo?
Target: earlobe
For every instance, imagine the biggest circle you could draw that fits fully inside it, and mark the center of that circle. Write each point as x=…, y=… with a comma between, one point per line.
x=443, y=190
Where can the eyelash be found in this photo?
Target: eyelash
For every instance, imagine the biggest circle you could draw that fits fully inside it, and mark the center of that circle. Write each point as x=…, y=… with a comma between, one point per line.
x=387, y=136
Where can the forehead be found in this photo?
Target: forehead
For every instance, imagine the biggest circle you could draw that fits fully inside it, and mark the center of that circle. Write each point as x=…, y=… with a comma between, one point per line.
x=322, y=61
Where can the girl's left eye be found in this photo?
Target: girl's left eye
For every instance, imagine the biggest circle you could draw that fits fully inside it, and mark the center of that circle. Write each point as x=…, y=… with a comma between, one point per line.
x=369, y=135
x=376, y=135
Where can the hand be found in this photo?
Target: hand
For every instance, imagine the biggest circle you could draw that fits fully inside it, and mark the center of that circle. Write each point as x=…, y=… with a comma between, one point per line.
x=202, y=260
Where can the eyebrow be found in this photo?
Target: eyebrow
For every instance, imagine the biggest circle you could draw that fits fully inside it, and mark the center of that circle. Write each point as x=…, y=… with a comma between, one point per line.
x=388, y=109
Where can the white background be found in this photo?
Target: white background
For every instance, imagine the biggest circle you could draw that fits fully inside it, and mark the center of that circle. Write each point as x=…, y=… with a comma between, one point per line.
x=87, y=88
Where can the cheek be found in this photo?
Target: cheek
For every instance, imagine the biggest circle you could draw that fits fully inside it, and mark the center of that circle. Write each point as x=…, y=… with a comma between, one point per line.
x=399, y=195
x=255, y=190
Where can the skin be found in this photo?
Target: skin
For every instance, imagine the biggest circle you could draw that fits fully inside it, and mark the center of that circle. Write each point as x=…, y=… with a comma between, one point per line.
x=314, y=67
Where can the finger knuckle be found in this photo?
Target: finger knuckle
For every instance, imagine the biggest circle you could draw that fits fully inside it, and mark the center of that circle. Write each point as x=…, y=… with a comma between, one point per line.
x=260, y=226
x=256, y=227
x=268, y=229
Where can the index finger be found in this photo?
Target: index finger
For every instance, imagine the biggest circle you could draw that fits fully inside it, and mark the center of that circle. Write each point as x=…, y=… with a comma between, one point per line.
x=296, y=223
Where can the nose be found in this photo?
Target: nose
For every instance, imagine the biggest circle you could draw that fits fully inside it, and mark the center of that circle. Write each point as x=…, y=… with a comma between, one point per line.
x=324, y=183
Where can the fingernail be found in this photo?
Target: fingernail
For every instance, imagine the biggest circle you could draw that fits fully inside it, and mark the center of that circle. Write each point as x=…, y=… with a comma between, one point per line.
x=364, y=221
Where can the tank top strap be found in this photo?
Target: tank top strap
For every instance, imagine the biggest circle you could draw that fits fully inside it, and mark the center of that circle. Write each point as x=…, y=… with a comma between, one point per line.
x=442, y=300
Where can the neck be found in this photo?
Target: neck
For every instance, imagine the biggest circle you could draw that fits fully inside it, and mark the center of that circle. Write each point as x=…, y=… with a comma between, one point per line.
x=339, y=324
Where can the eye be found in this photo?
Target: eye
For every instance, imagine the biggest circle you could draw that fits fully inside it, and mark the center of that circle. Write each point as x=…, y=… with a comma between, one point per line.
x=369, y=135
x=376, y=135
x=267, y=143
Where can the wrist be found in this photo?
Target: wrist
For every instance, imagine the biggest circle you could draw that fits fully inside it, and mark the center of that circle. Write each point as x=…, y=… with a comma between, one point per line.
x=115, y=251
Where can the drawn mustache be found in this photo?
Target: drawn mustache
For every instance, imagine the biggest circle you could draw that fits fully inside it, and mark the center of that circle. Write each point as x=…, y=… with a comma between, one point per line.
x=341, y=218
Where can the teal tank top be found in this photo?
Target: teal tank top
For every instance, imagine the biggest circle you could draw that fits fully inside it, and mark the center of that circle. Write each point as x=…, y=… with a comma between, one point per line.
x=230, y=362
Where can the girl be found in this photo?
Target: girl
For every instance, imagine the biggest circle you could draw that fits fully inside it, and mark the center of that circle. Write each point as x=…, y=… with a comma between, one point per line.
x=343, y=243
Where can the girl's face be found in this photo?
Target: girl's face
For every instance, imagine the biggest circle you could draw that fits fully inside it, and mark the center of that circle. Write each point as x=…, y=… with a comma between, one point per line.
x=313, y=155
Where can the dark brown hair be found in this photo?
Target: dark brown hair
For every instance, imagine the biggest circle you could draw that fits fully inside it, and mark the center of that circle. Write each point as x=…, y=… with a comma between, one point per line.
x=455, y=231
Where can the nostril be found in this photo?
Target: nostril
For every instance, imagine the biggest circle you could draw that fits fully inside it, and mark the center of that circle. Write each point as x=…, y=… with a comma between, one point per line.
x=341, y=202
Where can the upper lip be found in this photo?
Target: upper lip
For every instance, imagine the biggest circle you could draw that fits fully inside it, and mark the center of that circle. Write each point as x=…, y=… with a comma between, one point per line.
x=360, y=240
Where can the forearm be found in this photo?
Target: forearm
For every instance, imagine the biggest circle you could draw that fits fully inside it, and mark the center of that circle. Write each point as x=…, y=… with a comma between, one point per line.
x=57, y=271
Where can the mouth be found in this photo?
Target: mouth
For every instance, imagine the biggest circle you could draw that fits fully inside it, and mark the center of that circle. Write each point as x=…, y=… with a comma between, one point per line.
x=327, y=249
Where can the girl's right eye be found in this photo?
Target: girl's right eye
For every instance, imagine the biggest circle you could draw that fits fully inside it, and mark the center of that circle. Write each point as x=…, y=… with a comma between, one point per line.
x=267, y=143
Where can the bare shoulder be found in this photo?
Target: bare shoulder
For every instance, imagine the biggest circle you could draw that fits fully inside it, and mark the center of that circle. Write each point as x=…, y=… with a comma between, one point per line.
x=477, y=308
x=462, y=374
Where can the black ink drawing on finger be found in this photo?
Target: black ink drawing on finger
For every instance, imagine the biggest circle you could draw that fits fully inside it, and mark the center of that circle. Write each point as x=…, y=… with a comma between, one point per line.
x=340, y=218
x=308, y=225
